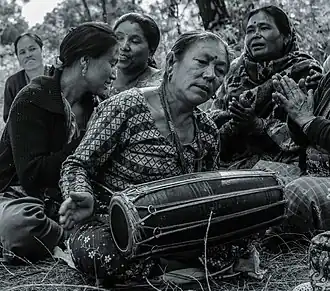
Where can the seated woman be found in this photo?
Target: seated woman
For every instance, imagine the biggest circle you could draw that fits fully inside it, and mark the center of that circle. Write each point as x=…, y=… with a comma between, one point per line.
x=142, y=135
x=28, y=49
x=139, y=36
x=308, y=197
x=252, y=129
x=40, y=133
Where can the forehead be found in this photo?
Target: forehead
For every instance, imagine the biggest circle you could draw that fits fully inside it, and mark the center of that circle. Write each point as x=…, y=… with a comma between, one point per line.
x=261, y=17
x=130, y=28
x=210, y=47
x=111, y=53
x=26, y=41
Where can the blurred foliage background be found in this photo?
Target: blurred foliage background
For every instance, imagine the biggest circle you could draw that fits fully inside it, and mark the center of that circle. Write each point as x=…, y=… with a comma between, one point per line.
x=310, y=17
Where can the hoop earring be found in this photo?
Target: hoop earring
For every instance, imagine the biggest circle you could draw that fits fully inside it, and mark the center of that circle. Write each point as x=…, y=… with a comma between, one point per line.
x=169, y=77
x=84, y=71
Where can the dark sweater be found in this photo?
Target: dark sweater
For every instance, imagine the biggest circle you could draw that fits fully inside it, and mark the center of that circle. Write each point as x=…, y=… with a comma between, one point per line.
x=34, y=145
x=13, y=85
x=318, y=132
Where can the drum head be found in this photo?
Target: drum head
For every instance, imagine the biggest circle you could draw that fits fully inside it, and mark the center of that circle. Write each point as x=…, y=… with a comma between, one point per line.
x=122, y=223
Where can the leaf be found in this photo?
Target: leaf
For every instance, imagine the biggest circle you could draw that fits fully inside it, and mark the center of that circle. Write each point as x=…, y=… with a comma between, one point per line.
x=64, y=256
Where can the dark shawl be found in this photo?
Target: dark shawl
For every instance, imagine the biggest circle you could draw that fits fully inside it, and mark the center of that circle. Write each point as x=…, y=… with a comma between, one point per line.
x=273, y=142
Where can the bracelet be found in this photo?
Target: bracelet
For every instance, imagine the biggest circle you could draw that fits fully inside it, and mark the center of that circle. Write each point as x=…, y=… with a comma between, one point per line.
x=306, y=126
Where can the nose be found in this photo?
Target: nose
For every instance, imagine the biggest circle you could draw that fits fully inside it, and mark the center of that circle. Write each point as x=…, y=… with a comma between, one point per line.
x=257, y=32
x=28, y=53
x=124, y=45
x=209, y=73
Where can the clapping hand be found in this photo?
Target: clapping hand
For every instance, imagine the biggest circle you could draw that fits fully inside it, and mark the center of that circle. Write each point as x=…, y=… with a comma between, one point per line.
x=293, y=98
x=314, y=77
x=239, y=113
x=76, y=208
x=243, y=114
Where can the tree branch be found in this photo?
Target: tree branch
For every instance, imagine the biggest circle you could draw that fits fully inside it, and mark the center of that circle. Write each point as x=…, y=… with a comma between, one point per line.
x=104, y=12
x=88, y=13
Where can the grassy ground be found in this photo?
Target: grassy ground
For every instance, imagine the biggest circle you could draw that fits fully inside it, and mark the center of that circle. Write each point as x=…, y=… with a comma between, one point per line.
x=285, y=270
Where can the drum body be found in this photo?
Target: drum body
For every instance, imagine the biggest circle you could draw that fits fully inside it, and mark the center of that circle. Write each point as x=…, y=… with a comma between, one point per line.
x=172, y=215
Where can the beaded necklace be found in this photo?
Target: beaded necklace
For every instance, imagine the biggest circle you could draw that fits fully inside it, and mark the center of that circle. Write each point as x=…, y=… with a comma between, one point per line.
x=174, y=135
x=131, y=84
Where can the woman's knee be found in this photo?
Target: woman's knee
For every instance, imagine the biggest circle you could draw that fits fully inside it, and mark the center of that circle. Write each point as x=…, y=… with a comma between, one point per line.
x=26, y=232
x=307, y=199
x=93, y=251
x=95, y=254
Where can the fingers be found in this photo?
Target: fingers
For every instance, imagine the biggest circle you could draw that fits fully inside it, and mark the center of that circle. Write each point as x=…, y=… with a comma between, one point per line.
x=72, y=217
x=65, y=206
x=302, y=84
x=310, y=93
x=81, y=215
x=313, y=78
x=69, y=223
x=237, y=111
x=279, y=99
x=246, y=98
x=310, y=99
x=314, y=73
x=77, y=196
x=292, y=89
x=64, y=217
x=277, y=84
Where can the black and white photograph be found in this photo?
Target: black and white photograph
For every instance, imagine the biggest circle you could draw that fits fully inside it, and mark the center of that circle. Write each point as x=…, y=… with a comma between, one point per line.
x=165, y=145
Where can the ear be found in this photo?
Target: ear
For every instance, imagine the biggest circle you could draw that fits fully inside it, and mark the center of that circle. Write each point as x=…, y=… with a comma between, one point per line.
x=286, y=40
x=84, y=61
x=170, y=62
x=84, y=65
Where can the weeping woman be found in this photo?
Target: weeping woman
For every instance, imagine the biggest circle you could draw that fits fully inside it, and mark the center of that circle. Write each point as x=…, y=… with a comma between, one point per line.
x=253, y=128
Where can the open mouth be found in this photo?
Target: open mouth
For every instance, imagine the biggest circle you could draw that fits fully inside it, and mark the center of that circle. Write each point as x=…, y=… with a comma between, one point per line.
x=123, y=58
x=258, y=45
x=205, y=88
x=29, y=60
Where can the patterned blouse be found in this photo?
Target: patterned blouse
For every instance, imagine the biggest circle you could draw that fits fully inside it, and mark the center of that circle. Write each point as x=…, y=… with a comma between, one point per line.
x=153, y=79
x=123, y=147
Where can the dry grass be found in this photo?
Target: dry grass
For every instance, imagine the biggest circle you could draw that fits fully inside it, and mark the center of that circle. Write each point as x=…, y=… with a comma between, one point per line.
x=285, y=271
x=47, y=272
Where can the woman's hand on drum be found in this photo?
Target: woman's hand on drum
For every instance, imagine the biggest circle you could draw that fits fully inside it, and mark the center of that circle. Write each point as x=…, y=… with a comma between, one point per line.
x=76, y=208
